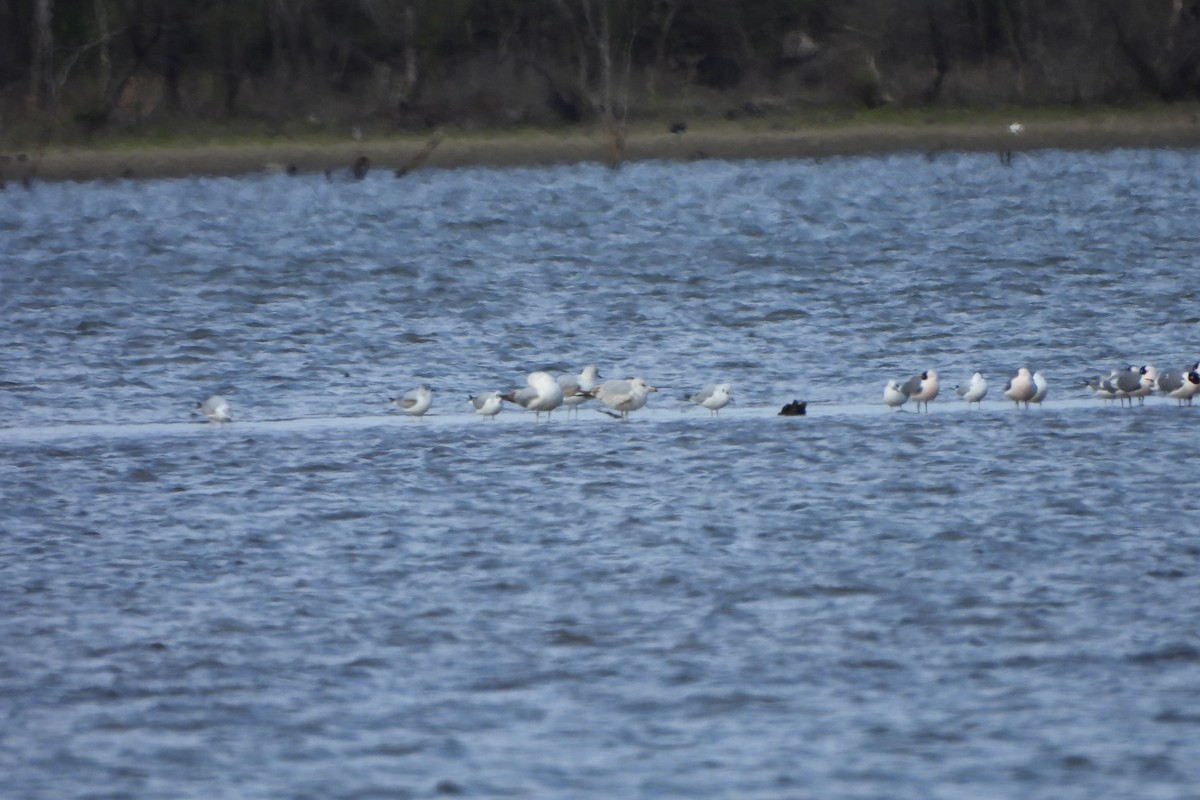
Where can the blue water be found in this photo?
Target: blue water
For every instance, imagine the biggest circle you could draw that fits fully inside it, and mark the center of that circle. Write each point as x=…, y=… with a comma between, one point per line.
x=325, y=599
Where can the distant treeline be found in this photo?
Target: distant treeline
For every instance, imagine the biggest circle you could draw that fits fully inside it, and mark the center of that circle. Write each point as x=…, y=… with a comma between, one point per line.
x=416, y=63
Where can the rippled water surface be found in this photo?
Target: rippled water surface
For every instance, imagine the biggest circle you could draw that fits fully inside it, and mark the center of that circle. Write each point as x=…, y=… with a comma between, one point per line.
x=325, y=599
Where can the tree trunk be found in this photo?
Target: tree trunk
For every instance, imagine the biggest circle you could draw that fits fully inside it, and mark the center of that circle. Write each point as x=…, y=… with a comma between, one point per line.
x=105, y=76
x=42, y=69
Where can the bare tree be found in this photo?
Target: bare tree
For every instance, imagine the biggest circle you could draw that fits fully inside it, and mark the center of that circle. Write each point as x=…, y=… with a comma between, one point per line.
x=41, y=71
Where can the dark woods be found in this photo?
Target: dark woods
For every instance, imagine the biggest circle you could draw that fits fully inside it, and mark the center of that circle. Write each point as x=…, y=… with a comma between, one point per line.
x=413, y=64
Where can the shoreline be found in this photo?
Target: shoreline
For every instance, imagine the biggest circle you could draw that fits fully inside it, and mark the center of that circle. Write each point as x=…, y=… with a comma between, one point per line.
x=535, y=148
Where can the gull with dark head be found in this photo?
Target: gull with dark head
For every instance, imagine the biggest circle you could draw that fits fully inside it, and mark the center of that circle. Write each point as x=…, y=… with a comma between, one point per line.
x=1136, y=382
x=922, y=388
x=1180, y=386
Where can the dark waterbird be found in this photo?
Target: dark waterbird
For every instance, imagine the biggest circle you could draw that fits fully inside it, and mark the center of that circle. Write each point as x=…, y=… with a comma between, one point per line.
x=796, y=408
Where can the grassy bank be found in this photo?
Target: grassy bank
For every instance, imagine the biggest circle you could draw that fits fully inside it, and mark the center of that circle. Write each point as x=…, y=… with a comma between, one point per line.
x=233, y=150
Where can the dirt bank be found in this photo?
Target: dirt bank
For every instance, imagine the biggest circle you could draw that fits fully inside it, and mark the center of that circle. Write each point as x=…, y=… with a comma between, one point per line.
x=536, y=148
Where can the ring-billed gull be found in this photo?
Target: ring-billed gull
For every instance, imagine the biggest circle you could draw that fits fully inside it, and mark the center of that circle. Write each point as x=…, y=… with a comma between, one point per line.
x=215, y=409
x=975, y=391
x=714, y=397
x=486, y=405
x=922, y=388
x=623, y=395
x=575, y=388
x=541, y=393
x=1020, y=388
x=892, y=396
x=416, y=402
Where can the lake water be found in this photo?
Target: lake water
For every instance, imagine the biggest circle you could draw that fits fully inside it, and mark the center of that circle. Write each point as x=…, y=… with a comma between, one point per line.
x=326, y=599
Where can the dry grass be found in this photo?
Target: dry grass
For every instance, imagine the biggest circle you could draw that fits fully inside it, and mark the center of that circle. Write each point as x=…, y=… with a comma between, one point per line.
x=810, y=136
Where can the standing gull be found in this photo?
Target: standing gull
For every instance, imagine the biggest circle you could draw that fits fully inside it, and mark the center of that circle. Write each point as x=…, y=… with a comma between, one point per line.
x=1135, y=382
x=975, y=391
x=416, y=402
x=1020, y=388
x=486, y=405
x=1179, y=386
x=714, y=397
x=1041, y=386
x=922, y=388
x=893, y=397
x=215, y=409
x=575, y=388
x=541, y=393
x=623, y=395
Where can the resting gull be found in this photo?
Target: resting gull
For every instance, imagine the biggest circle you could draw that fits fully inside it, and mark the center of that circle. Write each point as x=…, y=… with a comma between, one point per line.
x=416, y=402
x=893, y=396
x=575, y=388
x=486, y=405
x=975, y=391
x=1020, y=388
x=215, y=409
x=541, y=393
x=714, y=397
x=623, y=395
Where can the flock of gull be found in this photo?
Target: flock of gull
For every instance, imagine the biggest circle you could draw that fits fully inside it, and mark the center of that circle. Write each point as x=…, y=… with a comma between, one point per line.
x=1025, y=387
x=543, y=393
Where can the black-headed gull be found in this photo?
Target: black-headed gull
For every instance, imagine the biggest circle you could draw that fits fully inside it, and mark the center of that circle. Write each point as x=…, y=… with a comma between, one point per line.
x=1180, y=386
x=922, y=388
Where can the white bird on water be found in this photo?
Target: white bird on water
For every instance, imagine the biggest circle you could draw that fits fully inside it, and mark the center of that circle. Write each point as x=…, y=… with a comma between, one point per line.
x=893, y=397
x=1020, y=388
x=416, y=402
x=714, y=397
x=975, y=391
x=486, y=405
x=575, y=388
x=922, y=388
x=215, y=409
x=541, y=393
x=623, y=395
